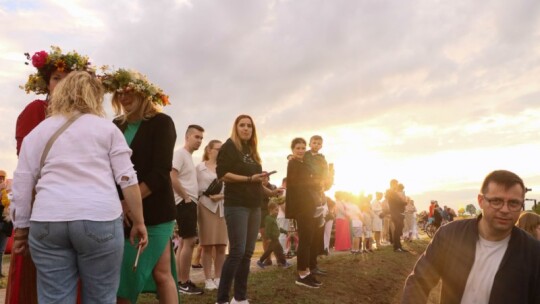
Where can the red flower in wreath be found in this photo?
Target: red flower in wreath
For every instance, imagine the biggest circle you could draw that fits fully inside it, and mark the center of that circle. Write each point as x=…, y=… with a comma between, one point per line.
x=40, y=59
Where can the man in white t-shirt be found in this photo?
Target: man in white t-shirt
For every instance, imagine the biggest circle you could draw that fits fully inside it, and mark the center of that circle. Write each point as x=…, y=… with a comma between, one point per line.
x=184, y=182
x=483, y=260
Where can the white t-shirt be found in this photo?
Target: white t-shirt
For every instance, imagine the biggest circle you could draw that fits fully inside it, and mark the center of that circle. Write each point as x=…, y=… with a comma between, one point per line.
x=486, y=264
x=187, y=175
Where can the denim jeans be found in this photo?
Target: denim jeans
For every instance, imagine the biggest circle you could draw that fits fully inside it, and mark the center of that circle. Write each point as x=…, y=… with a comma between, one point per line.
x=3, y=243
x=66, y=251
x=242, y=228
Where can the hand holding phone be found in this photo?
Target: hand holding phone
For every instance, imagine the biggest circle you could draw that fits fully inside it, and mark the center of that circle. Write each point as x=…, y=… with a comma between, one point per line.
x=270, y=173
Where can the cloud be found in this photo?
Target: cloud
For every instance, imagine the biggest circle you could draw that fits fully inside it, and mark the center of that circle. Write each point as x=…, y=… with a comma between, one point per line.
x=407, y=80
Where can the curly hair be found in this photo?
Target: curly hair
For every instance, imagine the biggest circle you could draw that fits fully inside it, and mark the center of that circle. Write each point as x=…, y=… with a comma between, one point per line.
x=78, y=91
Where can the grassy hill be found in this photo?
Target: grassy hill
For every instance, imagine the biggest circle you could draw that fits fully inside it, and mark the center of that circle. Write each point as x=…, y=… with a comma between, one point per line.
x=368, y=278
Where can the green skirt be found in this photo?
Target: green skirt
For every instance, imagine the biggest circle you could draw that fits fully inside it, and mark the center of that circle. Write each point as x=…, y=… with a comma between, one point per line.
x=133, y=283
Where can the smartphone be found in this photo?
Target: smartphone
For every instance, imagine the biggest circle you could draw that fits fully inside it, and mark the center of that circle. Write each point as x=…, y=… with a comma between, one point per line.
x=271, y=172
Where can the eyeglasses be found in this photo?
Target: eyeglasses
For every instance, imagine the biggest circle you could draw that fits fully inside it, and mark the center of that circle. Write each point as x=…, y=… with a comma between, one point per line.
x=497, y=203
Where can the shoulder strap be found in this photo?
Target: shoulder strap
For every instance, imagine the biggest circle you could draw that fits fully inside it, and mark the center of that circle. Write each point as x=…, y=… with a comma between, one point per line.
x=53, y=139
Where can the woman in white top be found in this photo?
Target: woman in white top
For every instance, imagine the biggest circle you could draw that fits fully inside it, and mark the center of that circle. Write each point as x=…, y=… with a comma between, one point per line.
x=376, y=207
x=212, y=227
x=410, y=220
x=76, y=219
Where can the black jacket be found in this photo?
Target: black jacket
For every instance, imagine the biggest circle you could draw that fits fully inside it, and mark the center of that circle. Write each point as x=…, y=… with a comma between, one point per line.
x=153, y=147
x=303, y=191
x=450, y=257
x=243, y=194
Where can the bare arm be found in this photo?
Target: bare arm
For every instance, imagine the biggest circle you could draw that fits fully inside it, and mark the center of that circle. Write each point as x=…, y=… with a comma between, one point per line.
x=145, y=191
x=217, y=197
x=235, y=178
x=133, y=202
x=272, y=192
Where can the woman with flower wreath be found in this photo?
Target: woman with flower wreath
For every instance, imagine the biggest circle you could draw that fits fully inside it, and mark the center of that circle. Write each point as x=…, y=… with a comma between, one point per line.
x=74, y=229
x=151, y=135
x=51, y=67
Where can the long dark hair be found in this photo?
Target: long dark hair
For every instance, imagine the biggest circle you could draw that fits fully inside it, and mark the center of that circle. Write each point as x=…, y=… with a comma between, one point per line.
x=252, y=142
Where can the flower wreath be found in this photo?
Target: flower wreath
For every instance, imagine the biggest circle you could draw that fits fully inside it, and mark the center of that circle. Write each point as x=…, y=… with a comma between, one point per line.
x=122, y=81
x=47, y=63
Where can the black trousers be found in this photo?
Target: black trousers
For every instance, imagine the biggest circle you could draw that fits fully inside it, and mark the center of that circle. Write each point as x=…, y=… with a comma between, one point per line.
x=275, y=247
x=397, y=219
x=307, y=244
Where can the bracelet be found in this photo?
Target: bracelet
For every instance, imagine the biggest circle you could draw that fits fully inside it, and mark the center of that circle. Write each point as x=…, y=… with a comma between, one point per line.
x=21, y=238
x=249, y=179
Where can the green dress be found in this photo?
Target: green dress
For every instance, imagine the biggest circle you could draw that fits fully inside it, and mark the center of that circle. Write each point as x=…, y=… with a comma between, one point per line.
x=133, y=283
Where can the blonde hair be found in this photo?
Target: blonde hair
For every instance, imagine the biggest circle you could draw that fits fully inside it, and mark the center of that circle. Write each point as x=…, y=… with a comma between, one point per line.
x=208, y=147
x=78, y=92
x=252, y=142
x=145, y=109
x=528, y=221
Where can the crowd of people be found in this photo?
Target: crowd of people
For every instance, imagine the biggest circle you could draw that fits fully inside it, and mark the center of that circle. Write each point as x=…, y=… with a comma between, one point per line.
x=96, y=204
x=365, y=223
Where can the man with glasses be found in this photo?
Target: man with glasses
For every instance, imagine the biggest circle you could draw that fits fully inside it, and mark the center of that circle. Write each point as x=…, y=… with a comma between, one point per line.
x=482, y=260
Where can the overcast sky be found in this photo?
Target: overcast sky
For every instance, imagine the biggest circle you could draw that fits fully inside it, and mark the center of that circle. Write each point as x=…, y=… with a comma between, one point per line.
x=434, y=93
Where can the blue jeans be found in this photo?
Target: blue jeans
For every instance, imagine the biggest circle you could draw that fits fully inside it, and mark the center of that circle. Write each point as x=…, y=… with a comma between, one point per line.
x=3, y=243
x=242, y=229
x=66, y=251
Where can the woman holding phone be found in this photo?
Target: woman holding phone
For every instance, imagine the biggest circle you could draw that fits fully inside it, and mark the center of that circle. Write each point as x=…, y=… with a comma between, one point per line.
x=239, y=166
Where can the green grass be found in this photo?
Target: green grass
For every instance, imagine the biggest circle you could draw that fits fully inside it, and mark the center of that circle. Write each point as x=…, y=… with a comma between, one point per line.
x=367, y=278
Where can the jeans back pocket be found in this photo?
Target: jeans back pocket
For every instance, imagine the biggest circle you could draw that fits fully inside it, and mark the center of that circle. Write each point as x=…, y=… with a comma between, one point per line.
x=99, y=231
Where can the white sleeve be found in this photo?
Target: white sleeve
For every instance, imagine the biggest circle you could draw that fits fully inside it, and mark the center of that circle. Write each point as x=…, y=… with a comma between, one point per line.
x=119, y=155
x=24, y=181
x=178, y=161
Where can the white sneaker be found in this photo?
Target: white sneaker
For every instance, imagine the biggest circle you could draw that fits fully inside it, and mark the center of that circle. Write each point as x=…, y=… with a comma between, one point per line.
x=209, y=284
x=234, y=301
x=216, y=281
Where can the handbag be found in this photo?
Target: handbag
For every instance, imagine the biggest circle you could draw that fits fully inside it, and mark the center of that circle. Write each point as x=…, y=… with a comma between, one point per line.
x=214, y=187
